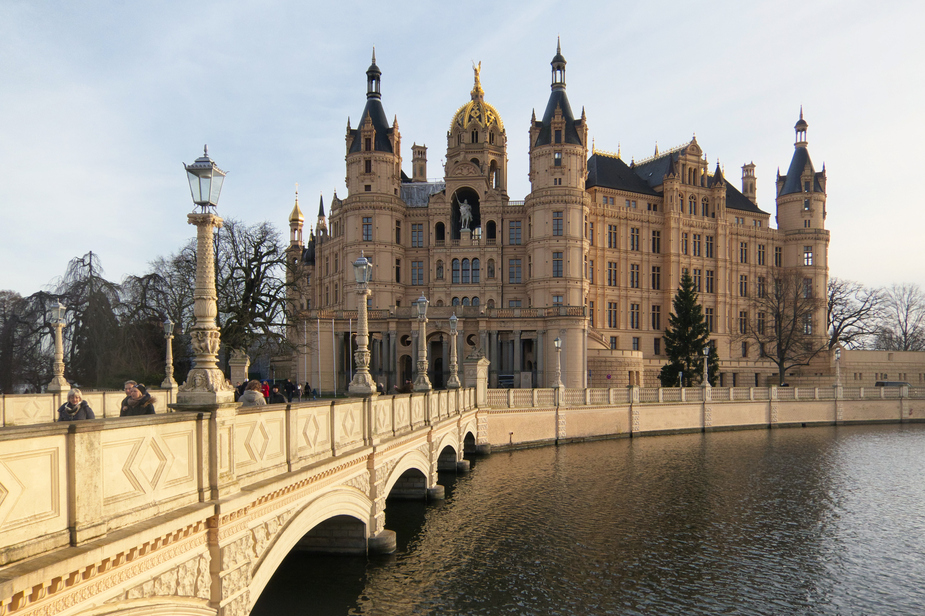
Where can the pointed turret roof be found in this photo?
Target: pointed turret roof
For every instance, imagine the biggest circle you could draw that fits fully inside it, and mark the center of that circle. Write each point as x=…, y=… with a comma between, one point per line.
x=800, y=163
x=373, y=113
x=558, y=100
x=321, y=206
x=296, y=215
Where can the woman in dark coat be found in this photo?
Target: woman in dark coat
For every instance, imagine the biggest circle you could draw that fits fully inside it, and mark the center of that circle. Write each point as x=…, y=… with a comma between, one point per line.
x=75, y=408
x=140, y=403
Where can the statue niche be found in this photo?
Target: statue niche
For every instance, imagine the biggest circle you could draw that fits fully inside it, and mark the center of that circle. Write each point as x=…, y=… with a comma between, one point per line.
x=465, y=213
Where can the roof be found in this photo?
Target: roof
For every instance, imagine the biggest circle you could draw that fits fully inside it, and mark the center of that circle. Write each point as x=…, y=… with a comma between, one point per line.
x=611, y=172
x=558, y=99
x=417, y=194
x=376, y=113
x=654, y=170
x=793, y=182
x=735, y=200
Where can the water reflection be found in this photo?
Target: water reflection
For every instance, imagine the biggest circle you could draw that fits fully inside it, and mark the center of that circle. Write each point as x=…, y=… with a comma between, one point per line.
x=797, y=521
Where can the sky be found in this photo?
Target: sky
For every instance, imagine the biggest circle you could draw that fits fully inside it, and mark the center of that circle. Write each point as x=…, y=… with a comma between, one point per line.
x=101, y=102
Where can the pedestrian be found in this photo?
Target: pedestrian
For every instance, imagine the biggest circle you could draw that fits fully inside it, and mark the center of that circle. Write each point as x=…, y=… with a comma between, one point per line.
x=75, y=408
x=379, y=388
x=140, y=402
x=266, y=389
x=308, y=391
x=129, y=386
x=298, y=389
x=241, y=387
x=253, y=395
x=289, y=388
x=276, y=397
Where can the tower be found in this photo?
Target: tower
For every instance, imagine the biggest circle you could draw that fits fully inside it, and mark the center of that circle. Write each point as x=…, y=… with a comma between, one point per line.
x=749, y=182
x=296, y=222
x=418, y=163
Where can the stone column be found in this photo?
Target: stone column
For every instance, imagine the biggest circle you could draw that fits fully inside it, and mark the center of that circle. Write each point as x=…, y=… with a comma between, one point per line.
x=493, y=358
x=58, y=383
x=540, y=360
x=414, y=356
x=445, y=347
x=518, y=359
x=393, y=361
x=362, y=383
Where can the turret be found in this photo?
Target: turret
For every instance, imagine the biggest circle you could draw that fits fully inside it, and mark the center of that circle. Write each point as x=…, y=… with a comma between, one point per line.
x=749, y=182
x=296, y=221
x=418, y=163
x=322, y=220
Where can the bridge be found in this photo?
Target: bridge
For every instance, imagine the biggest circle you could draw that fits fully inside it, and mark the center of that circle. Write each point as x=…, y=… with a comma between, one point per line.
x=192, y=513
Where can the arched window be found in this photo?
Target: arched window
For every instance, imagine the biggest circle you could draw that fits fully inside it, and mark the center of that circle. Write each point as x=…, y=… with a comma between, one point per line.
x=705, y=207
x=494, y=178
x=692, y=205
x=455, y=271
x=475, y=136
x=490, y=230
x=440, y=232
x=475, y=271
x=465, y=271
x=455, y=301
x=439, y=302
x=475, y=301
x=465, y=301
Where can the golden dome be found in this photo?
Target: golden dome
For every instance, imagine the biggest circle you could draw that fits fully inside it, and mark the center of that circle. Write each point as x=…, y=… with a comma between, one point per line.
x=476, y=111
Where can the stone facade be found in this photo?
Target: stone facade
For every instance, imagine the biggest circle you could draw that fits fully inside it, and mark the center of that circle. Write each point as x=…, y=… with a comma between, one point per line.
x=592, y=255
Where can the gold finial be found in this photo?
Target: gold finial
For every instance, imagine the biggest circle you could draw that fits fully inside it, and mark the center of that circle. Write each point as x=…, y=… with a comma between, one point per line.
x=618, y=149
x=296, y=193
x=477, y=91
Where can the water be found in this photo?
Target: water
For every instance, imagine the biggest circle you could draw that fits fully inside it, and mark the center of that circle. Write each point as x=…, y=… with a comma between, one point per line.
x=816, y=521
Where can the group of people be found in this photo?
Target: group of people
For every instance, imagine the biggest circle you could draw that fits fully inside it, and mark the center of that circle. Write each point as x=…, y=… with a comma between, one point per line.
x=255, y=393
x=137, y=401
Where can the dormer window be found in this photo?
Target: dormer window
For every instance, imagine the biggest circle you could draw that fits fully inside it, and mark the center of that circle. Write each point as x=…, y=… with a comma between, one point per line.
x=806, y=186
x=368, y=144
x=557, y=159
x=805, y=205
x=558, y=136
x=475, y=136
x=491, y=138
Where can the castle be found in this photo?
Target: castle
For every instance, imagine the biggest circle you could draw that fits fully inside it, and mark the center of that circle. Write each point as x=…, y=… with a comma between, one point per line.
x=592, y=256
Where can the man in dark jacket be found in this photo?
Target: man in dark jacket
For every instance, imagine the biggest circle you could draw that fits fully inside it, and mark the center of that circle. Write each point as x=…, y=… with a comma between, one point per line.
x=290, y=389
x=276, y=397
x=129, y=386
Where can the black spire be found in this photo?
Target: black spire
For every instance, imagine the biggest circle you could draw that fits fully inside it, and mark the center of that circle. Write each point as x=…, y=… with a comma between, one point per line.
x=373, y=78
x=558, y=68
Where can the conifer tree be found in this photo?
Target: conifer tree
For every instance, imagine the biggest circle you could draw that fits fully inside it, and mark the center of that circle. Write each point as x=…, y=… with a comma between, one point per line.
x=685, y=339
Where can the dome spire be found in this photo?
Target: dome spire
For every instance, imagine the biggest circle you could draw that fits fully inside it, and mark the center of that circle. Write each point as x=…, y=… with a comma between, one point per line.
x=373, y=78
x=558, y=68
x=477, y=91
x=800, y=129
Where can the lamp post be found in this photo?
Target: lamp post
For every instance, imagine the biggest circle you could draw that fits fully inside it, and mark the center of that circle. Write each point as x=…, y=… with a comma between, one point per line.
x=58, y=382
x=169, y=383
x=362, y=383
x=706, y=365
x=205, y=384
x=453, y=381
x=558, y=344
x=837, y=367
x=422, y=382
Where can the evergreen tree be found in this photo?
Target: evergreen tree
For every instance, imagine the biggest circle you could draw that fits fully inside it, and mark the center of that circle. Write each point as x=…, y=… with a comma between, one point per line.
x=685, y=339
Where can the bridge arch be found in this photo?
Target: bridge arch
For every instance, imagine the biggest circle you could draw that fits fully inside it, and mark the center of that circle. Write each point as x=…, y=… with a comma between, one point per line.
x=338, y=502
x=149, y=607
x=411, y=461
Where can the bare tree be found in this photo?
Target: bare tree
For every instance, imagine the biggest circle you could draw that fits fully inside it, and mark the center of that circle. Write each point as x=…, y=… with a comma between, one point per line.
x=853, y=312
x=25, y=350
x=780, y=320
x=902, y=326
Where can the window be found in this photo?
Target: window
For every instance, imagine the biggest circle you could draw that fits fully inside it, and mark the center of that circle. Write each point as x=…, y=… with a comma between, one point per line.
x=807, y=255
x=709, y=288
x=805, y=205
x=743, y=285
x=417, y=273
x=656, y=277
x=745, y=349
x=708, y=317
x=367, y=228
x=514, y=271
x=591, y=312
x=697, y=280
x=557, y=223
x=368, y=187
x=611, y=236
x=336, y=294
x=327, y=265
x=634, y=238
x=591, y=272
x=656, y=241
x=513, y=303
x=557, y=265
x=709, y=246
x=634, y=316
x=684, y=243
x=634, y=276
x=475, y=271
x=612, y=315
x=695, y=245
x=367, y=166
x=591, y=233
x=778, y=256
x=656, y=317
x=465, y=271
x=398, y=270
x=760, y=254
x=808, y=324
x=612, y=273
x=760, y=287
x=743, y=252
x=743, y=321
x=657, y=346
x=635, y=343
x=455, y=271
x=417, y=235
x=514, y=232
x=705, y=207
x=759, y=323
x=367, y=144
x=613, y=343
x=558, y=136
x=807, y=288
x=556, y=300
x=557, y=159
x=398, y=232
x=336, y=263
x=692, y=205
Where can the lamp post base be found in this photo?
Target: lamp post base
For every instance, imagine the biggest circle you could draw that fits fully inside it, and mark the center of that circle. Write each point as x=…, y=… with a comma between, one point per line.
x=57, y=385
x=453, y=382
x=362, y=385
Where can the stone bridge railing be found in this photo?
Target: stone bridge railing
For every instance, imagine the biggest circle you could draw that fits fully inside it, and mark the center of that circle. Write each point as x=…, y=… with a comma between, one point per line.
x=26, y=409
x=66, y=485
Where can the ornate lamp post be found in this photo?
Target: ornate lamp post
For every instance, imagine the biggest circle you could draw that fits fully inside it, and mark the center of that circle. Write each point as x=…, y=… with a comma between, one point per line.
x=453, y=381
x=422, y=382
x=169, y=383
x=706, y=366
x=558, y=344
x=205, y=384
x=362, y=383
x=58, y=382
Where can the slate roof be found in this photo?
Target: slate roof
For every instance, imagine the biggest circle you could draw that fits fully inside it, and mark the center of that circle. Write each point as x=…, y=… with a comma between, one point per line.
x=735, y=200
x=654, y=171
x=374, y=111
x=558, y=98
x=793, y=180
x=611, y=172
